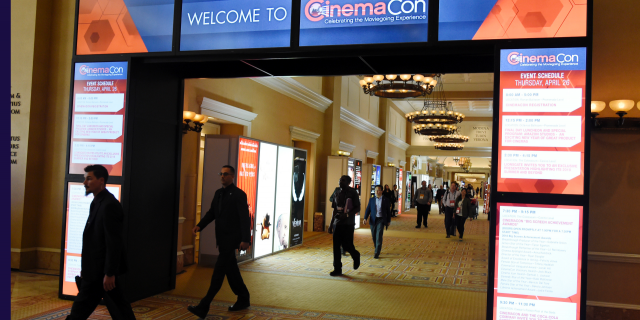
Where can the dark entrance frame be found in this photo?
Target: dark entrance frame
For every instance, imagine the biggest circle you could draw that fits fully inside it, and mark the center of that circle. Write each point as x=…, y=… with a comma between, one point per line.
x=153, y=139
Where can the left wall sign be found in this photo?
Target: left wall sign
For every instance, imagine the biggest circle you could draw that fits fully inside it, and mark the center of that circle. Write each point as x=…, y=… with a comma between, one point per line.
x=99, y=105
x=124, y=26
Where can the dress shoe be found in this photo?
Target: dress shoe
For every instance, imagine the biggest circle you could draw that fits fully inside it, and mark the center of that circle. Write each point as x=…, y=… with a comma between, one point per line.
x=356, y=262
x=198, y=311
x=239, y=305
x=448, y=236
x=377, y=256
x=417, y=227
x=335, y=273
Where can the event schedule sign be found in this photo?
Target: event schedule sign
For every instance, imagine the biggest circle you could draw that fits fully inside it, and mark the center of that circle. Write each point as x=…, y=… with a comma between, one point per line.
x=538, y=261
x=237, y=24
x=99, y=105
x=78, y=203
x=542, y=118
x=348, y=22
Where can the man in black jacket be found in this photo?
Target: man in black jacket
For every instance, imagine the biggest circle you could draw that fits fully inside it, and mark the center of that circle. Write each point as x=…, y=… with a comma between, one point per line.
x=343, y=225
x=231, y=211
x=103, y=256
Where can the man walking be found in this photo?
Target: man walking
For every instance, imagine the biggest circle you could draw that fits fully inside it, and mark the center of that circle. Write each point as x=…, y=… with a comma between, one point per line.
x=396, y=196
x=230, y=210
x=439, y=196
x=103, y=254
x=347, y=205
x=378, y=209
x=450, y=208
x=423, y=199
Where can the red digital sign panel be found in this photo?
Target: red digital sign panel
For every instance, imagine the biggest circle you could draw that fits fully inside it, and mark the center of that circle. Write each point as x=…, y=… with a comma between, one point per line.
x=247, y=176
x=542, y=118
x=538, y=262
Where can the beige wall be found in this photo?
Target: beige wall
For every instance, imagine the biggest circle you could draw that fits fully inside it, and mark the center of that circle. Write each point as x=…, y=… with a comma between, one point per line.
x=354, y=100
x=362, y=140
x=397, y=123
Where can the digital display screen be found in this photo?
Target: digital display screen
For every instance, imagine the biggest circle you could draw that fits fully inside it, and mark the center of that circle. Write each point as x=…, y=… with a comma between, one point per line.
x=349, y=22
x=235, y=24
x=262, y=243
x=97, y=124
x=77, y=214
x=507, y=19
x=124, y=26
x=247, y=174
x=282, y=217
x=541, y=119
x=297, y=194
x=538, y=261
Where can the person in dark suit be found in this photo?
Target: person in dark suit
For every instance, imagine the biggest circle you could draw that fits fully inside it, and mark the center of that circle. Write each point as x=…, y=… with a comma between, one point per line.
x=378, y=209
x=233, y=231
x=347, y=205
x=103, y=254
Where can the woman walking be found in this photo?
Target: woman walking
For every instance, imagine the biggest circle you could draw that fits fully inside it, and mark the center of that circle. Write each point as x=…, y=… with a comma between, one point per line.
x=388, y=193
x=463, y=211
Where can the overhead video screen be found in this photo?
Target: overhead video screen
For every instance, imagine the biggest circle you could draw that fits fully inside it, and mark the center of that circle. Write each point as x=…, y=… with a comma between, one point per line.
x=124, y=26
x=349, y=22
x=235, y=24
x=510, y=19
x=97, y=129
x=538, y=262
x=542, y=116
x=266, y=200
x=78, y=204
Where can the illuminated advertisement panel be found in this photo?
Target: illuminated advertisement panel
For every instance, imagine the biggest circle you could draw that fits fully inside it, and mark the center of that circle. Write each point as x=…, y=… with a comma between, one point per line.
x=124, y=26
x=247, y=174
x=400, y=173
x=375, y=178
x=237, y=24
x=97, y=123
x=282, y=216
x=347, y=22
x=297, y=195
x=263, y=237
x=542, y=116
x=77, y=214
x=407, y=202
x=508, y=19
x=538, y=259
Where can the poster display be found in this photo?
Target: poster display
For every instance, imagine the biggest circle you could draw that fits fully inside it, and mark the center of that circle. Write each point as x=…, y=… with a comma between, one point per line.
x=375, y=178
x=358, y=186
x=538, y=259
x=124, y=26
x=407, y=201
x=297, y=195
x=348, y=22
x=507, y=19
x=263, y=237
x=97, y=122
x=400, y=190
x=237, y=24
x=542, y=116
x=247, y=177
x=77, y=213
x=282, y=216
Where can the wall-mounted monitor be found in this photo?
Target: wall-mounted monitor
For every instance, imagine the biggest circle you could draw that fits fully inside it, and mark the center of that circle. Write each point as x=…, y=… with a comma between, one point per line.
x=507, y=19
x=124, y=26
x=235, y=24
x=351, y=22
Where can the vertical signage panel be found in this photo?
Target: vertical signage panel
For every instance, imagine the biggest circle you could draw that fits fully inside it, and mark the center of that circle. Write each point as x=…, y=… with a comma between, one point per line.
x=266, y=200
x=247, y=175
x=282, y=216
x=298, y=196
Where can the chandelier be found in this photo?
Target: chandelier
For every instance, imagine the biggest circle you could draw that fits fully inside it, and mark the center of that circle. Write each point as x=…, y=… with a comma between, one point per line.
x=456, y=159
x=448, y=146
x=465, y=164
x=408, y=86
x=437, y=117
x=452, y=138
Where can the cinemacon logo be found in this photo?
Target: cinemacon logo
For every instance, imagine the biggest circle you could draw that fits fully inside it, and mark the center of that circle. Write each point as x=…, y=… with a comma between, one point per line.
x=516, y=58
x=316, y=10
x=113, y=70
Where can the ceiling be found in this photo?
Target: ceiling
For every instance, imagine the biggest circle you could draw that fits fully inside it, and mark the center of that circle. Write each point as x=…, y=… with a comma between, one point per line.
x=476, y=162
x=463, y=82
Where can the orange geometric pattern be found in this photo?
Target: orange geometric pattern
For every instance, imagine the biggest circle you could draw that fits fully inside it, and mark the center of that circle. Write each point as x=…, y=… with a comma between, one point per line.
x=105, y=26
x=512, y=19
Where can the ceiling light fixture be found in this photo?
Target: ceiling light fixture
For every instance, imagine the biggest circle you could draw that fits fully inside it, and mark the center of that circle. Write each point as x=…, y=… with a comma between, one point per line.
x=190, y=117
x=437, y=117
x=407, y=86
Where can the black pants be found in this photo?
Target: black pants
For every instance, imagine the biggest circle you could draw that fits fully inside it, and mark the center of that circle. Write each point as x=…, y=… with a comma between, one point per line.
x=226, y=265
x=343, y=237
x=449, y=222
x=377, y=232
x=460, y=224
x=423, y=213
x=91, y=292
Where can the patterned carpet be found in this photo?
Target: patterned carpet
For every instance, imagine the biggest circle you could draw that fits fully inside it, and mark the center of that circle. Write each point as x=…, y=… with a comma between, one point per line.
x=410, y=256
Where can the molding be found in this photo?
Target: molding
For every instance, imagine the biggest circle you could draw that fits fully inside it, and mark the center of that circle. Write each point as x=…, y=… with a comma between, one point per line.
x=403, y=163
x=398, y=142
x=614, y=257
x=223, y=111
x=304, y=135
x=390, y=159
x=43, y=249
x=187, y=247
x=180, y=253
x=613, y=305
x=372, y=154
x=359, y=123
x=346, y=147
x=295, y=90
x=181, y=219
